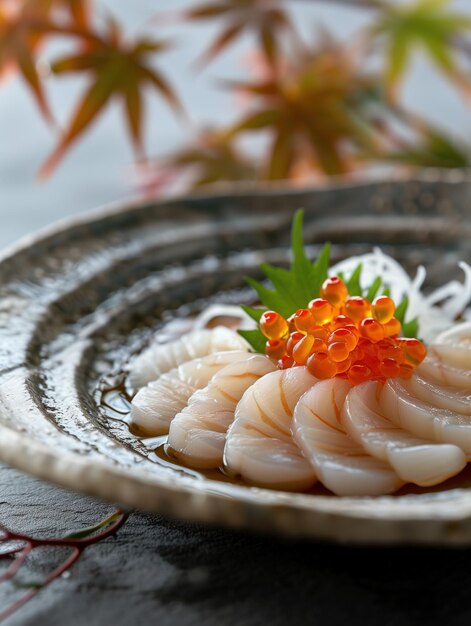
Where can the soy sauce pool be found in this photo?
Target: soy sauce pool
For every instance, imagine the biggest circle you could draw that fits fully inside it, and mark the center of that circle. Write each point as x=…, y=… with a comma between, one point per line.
x=114, y=396
x=115, y=403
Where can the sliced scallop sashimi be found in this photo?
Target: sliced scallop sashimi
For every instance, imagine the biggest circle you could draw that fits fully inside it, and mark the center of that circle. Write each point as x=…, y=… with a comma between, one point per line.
x=443, y=396
x=160, y=358
x=198, y=433
x=340, y=463
x=454, y=346
x=458, y=334
x=259, y=445
x=440, y=370
x=414, y=460
x=155, y=405
x=423, y=419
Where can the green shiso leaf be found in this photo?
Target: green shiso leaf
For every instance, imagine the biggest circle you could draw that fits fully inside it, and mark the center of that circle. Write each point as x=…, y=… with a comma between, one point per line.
x=255, y=338
x=269, y=297
x=411, y=329
x=373, y=290
x=253, y=312
x=293, y=289
x=401, y=309
x=353, y=283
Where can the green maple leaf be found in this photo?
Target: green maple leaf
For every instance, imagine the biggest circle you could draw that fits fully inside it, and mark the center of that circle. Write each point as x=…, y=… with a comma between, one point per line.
x=433, y=149
x=423, y=24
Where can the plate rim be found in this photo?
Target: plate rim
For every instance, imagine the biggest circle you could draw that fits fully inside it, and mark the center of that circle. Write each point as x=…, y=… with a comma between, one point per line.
x=23, y=452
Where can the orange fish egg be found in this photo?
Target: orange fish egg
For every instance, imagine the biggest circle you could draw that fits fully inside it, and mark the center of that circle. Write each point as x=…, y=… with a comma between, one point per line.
x=371, y=329
x=338, y=351
x=406, y=370
x=388, y=349
x=273, y=325
x=292, y=341
x=303, y=320
x=392, y=328
x=340, y=321
x=359, y=373
x=290, y=321
x=357, y=308
x=334, y=291
x=389, y=368
x=383, y=309
x=346, y=336
x=414, y=350
x=275, y=348
x=321, y=366
x=285, y=362
x=321, y=310
x=303, y=349
x=319, y=345
x=320, y=332
x=344, y=366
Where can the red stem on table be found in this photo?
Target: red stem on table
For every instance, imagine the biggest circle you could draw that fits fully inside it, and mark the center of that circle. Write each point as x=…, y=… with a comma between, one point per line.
x=77, y=545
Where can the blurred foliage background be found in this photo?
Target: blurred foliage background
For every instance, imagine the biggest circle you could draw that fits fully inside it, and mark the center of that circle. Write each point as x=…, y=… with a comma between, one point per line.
x=306, y=104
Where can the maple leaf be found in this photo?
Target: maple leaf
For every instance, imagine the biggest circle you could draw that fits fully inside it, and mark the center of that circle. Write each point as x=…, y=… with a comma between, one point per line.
x=267, y=20
x=117, y=68
x=432, y=149
x=317, y=110
x=212, y=158
x=75, y=12
x=24, y=27
x=19, y=44
x=422, y=24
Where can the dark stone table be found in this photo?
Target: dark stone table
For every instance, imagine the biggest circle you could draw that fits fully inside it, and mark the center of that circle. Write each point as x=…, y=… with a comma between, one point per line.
x=158, y=571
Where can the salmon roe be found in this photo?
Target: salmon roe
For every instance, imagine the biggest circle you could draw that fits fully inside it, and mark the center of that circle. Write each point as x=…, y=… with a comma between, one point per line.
x=342, y=335
x=321, y=310
x=273, y=325
x=334, y=291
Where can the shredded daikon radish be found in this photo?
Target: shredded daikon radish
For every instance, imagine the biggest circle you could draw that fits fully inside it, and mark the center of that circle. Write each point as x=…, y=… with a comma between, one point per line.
x=453, y=297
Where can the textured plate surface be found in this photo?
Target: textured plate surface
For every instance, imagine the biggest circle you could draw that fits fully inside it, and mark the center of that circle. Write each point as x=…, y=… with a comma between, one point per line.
x=79, y=299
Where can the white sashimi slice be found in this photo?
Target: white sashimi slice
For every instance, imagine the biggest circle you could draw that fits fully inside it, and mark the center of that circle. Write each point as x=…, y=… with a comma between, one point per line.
x=160, y=358
x=198, y=433
x=414, y=460
x=457, y=334
x=156, y=404
x=259, y=445
x=454, y=346
x=442, y=396
x=339, y=462
x=423, y=419
x=445, y=373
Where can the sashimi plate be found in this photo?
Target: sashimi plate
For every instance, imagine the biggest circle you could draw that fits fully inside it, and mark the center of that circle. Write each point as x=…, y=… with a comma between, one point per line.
x=78, y=300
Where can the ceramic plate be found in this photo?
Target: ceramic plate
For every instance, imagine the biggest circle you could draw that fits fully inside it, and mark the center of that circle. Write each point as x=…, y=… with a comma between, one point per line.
x=79, y=299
